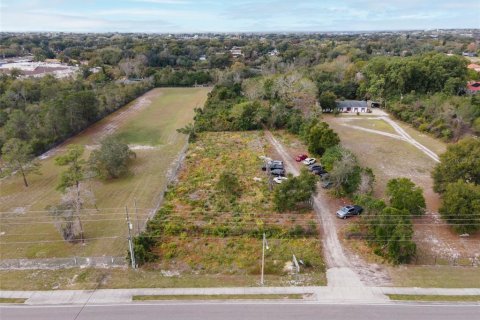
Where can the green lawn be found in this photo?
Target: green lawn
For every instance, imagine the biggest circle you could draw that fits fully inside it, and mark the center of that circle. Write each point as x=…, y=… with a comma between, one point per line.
x=436, y=276
x=12, y=300
x=153, y=125
x=440, y=298
x=220, y=297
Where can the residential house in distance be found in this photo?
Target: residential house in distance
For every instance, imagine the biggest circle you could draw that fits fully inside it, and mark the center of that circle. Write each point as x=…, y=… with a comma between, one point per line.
x=474, y=67
x=346, y=106
x=469, y=54
x=236, y=52
x=473, y=87
x=273, y=53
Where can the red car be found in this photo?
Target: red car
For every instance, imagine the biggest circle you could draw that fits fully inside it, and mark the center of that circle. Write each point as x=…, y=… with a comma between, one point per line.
x=301, y=157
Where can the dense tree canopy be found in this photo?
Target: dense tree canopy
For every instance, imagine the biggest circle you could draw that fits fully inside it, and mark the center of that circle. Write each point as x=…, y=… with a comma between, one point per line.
x=390, y=233
x=294, y=191
x=461, y=206
x=320, y=137
x=461, y=161
x=405, y=195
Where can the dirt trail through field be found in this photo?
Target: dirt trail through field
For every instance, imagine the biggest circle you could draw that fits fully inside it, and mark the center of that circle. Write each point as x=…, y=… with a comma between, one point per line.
x=402, y=134
x=341, y=269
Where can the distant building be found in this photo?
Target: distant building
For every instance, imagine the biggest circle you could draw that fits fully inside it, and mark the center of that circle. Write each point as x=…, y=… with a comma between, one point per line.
x=346, y=106
x=474, y=67
x=473, y=87
x=273, y=53
x=236, y=52
x=203, y=58
x=469, y=54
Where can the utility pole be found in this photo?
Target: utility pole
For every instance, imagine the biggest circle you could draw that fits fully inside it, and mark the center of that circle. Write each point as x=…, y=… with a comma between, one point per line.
x=264, y=246
x=130, y=243
x=136, y=215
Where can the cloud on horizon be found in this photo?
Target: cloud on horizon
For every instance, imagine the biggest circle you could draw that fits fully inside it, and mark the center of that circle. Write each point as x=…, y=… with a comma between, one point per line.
x=231, y=16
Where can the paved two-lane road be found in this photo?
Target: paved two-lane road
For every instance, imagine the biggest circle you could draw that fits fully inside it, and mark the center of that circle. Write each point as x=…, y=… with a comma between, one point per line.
x=240, y=311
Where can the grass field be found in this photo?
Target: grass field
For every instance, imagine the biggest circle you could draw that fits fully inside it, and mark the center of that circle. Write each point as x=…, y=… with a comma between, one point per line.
x=389, y=158
x=201, y=229
x=220, y=297
x=436, y=276
x=149, y=124
x=439, y=298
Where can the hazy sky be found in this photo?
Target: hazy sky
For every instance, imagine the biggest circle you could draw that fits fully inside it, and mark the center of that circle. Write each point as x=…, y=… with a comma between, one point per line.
x=235, y=15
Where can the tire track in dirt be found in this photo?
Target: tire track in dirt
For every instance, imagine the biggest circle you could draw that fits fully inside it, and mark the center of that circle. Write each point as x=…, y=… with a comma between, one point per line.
x=410, y=140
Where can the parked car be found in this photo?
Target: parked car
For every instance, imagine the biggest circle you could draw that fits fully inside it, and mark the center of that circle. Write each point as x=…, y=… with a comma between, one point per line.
x=278, y=172
x=309, y=161
x=348, y=211
x=314, y=166
x=324, y=176
x=327, y=184
x=272, y=164
x=301, y=157
x=276, y=166
x=319, y=171
x=279, y=179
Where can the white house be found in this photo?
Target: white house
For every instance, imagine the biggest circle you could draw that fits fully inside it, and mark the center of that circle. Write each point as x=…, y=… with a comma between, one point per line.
x=353, y=106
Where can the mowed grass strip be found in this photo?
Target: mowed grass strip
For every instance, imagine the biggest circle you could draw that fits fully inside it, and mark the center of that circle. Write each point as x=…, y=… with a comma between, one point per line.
x=28, y=230
x=436, y=276
x=220, y=297
x=13, y=300
x=117, y=278
x=439, y=298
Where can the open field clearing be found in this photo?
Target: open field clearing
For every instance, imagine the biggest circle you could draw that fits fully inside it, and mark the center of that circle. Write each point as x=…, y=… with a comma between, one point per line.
x=393, y=157
x=202, y=229
x=149, y=125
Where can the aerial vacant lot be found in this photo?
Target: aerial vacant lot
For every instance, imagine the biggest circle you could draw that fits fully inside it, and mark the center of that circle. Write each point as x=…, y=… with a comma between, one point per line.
x=203, y=229
x=149, y=125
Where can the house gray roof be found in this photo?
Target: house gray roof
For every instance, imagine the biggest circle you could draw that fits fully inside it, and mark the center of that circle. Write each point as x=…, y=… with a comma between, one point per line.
x=352, y=104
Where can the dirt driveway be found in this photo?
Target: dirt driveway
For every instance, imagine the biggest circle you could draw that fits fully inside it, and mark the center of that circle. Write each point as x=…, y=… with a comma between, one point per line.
x=394, y=149
x=343, y=269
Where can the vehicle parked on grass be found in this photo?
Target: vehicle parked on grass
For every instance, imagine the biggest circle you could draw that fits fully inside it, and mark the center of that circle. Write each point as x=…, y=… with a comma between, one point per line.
x=349, y=211
x=324, y=176
x=278, y=172
x=327, y=184
x=276, y=166
x=319, y=171
x=309, y=161
x=314, y=166
x=301, y=157
x=272, y=164
x=279, y=179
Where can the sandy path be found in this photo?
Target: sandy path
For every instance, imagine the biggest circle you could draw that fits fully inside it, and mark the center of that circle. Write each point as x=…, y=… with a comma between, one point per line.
x=383, y=133
x=340, y=272
x=402, y=134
